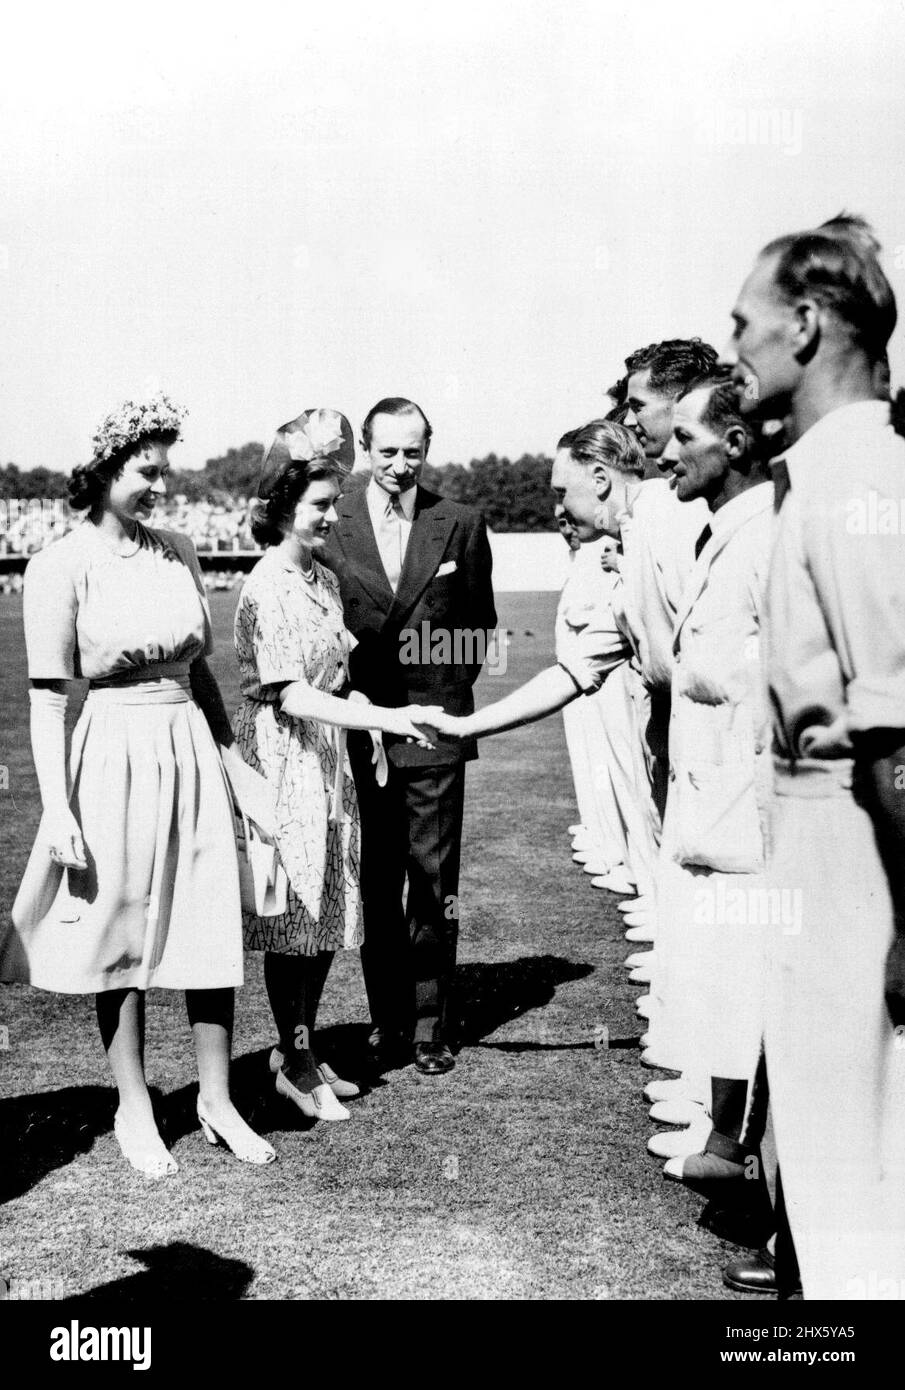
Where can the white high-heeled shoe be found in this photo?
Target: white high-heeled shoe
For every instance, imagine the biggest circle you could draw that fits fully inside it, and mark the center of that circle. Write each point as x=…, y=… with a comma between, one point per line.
x=345, y=1090
x=243, y=1142
x=318, y=1104
x=147, y=1154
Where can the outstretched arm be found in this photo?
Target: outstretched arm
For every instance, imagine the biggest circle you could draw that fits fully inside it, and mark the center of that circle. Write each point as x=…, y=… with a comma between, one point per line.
x=303, y=701
x=544, y=694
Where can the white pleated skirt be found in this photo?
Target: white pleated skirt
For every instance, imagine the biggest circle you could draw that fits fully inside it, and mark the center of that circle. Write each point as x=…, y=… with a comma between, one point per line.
x=158, y=904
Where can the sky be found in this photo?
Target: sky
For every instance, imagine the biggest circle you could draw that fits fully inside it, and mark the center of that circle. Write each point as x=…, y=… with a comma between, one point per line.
x=482, y=206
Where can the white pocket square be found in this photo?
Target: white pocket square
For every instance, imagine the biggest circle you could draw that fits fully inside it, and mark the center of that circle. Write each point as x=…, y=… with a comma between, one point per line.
x=448, y=567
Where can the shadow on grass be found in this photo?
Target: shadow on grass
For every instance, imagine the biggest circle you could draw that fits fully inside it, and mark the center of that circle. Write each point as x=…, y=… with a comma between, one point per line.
x=175, y=1271
x=490, y=995
x=48, y=1130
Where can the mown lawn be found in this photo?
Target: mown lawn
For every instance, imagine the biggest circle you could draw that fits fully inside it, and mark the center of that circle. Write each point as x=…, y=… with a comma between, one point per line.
x=523, y=1174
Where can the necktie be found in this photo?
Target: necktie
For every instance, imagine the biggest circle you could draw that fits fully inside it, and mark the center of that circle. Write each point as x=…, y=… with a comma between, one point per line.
x=702, y=540
x=781, y=482
x=392, y=548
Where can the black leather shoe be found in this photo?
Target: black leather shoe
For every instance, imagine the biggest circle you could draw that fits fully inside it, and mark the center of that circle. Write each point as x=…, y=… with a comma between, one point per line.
x=433, y=1058
x=756, y=1274
x=387, y=1050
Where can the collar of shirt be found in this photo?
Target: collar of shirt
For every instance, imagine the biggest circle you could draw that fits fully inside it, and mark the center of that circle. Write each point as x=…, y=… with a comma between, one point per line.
x=377, y=502
x=846, y=425
x=741, y=508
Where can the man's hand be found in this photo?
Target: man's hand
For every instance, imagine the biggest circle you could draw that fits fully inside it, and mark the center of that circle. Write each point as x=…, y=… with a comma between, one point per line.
x=416, y=722
x=452, y=725
x=61, y=833
x=895, y=981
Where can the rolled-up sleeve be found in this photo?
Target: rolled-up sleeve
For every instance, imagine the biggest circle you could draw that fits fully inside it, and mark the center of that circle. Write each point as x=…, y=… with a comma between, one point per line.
x=861, y=584
x=589, y=644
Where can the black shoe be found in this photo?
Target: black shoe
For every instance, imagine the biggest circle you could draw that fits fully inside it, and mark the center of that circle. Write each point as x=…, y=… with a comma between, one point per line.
x=433, y=1058
x=756, y=1274
x=388, y=1050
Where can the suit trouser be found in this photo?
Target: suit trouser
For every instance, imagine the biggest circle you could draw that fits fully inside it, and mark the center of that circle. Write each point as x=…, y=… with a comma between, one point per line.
x=411, y=832
x=836, y=1076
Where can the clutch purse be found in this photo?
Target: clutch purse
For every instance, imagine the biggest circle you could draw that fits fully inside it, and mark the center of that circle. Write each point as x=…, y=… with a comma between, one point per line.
x=263, y=883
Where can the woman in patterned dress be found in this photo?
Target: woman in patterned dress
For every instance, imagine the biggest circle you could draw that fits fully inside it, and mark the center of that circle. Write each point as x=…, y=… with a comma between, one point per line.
x=133, y=880
x=293, y=647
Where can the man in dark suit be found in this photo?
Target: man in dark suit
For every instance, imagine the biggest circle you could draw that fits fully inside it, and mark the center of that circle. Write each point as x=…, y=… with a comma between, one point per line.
x=414, y=570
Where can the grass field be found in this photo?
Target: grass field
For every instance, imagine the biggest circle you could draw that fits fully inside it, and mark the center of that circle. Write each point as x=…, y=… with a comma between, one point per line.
x=523, y=1174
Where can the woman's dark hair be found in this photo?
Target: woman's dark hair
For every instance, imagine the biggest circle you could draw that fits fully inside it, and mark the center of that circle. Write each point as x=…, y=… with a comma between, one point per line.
x=89, y=481
x=268, y=515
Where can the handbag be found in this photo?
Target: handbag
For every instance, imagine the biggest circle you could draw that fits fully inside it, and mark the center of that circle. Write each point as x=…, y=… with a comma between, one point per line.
x=263, y=883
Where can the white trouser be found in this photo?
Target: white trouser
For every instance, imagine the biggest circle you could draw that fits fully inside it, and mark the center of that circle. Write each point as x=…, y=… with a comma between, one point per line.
x=589, y=756
x=836, y=1074
x=707, y=987
x=650, y=727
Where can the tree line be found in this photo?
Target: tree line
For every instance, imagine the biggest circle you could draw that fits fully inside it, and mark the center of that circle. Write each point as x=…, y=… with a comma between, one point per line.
x=512, y=495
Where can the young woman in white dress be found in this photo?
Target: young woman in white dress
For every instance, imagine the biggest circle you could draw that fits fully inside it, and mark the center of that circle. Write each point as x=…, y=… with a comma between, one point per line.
x=133, y=879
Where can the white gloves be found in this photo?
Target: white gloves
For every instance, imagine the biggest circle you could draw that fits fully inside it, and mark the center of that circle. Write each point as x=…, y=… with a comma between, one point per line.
x=59, y=829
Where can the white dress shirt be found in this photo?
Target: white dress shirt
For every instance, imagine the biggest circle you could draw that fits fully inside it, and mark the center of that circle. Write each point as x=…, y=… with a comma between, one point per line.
x=391, y=518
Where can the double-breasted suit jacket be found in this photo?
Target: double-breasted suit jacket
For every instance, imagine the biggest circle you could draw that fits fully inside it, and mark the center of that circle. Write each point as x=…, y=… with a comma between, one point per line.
x=423, y=644
x=444, y=588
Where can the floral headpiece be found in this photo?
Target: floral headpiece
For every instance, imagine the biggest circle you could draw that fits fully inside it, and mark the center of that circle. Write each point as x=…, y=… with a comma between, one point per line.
x=135, y=420
x=315, y=434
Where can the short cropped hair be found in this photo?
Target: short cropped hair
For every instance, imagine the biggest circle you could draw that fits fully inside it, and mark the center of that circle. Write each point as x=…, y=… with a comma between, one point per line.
x=673, y=363
x=722, y=410
x=393, y=405
x=836, y=265
x=603, y=443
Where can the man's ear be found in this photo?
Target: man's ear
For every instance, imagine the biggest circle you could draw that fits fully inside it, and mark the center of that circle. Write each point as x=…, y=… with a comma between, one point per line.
x=735, y=442
x=807, y=326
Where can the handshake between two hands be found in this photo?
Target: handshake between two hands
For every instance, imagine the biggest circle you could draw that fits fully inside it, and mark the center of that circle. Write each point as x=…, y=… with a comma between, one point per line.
x=423, y=724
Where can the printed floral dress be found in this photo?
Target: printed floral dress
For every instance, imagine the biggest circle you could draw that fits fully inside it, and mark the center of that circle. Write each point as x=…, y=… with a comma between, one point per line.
x=289, y=627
